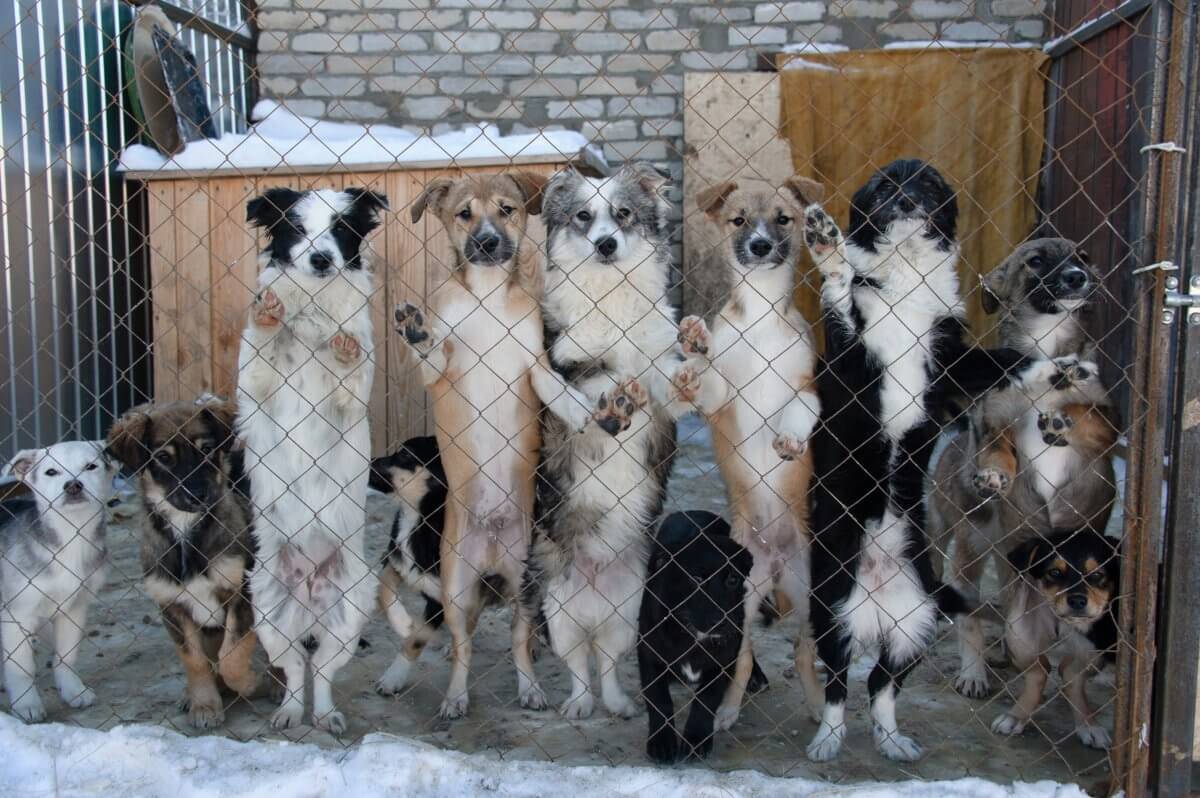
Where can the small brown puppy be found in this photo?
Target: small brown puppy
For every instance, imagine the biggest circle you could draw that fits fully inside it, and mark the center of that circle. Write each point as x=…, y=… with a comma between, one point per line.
x=1054, y=433
x=752, y=378
x=196, y=548
x=480, y=353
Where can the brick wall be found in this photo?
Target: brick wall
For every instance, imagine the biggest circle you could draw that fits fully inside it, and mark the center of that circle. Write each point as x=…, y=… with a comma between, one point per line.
x=610, y=69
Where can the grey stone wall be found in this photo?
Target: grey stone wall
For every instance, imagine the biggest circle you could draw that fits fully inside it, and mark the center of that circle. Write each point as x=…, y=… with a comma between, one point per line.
x=611, y=69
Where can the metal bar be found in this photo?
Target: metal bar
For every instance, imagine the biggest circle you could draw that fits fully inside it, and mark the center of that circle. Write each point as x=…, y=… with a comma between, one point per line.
x=1084, y=33
x=193, y=21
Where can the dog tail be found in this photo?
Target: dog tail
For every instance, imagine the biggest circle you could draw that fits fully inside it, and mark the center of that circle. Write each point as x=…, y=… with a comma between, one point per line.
x=950, y=601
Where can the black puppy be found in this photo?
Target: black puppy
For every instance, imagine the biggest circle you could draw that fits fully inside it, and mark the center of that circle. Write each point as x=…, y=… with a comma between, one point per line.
x=690, y=627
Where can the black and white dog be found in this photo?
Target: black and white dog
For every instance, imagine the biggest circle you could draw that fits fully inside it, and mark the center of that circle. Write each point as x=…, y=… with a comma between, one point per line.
x=895, y=366
x=690, y=627
x=611, y=333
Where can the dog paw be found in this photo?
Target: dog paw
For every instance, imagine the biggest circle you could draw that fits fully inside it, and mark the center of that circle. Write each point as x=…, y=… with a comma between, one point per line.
x=78, y=698
x=1054, y=427
x=725, y=717
x=825, y=744
x=333, y=722
x=532, y=697
x=393, y=681
x=663, y=747
x=621, y=706
x=685, y=384
x=972, y=685
x=577, y=707
x=410, y=322
x=789, y=447
x=268, y=309
x=697, y=748
x=29, y=707
x=694, y=337
x=821, y=233
x=1094, y=736
x=614, y=413
x=206, y=715
x=896, y=746
x=989, y=482
x=454, y=707
x=346, y=348
x=1070, y=370
x=288, y=716
x=1008, y=725
x=758, y=682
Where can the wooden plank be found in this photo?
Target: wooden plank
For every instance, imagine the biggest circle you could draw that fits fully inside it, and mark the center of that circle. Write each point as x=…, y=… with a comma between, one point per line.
x=234, y=267
x=194, y=289
x=405, y=281
x=163, y=284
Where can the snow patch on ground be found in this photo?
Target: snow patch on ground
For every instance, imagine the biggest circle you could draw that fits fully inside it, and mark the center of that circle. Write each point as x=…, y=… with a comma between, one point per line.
x=53, y=759
x=280, y=138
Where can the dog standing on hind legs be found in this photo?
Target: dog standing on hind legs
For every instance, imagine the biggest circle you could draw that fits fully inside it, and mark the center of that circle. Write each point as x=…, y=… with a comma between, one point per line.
x=305, y=370
x=757, y=390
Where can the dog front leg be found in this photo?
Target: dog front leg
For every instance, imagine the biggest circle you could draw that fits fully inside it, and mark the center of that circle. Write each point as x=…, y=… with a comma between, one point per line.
x=727, y=714
x=1075, y=673
x=428, y=340
x=561, y=399
x=69, y=626
x=828, y=249
x=1037, y=673
x=330, y=656
x=203, y=699
x=794, y=425
x=698, y=731
x=235, y=661
x=662, y=741
x=19, y=667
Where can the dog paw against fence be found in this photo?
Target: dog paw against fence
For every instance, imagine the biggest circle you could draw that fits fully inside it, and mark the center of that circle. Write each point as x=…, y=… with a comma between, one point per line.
x=813, y=364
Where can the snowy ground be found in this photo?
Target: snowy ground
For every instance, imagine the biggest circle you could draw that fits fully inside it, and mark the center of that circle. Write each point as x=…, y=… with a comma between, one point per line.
x=128, y=660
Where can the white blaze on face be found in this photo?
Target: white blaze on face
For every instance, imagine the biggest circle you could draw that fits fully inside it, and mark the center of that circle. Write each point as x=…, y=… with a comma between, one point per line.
x=316, y=212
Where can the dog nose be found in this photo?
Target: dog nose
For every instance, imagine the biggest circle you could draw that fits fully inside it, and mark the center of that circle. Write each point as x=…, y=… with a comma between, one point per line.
x=761, y=247
x=606, y=246
x=1077, y=601
x=1074, y=278
x=905, y=204
x=320, y=261
x=488, y=243
x=73, y=488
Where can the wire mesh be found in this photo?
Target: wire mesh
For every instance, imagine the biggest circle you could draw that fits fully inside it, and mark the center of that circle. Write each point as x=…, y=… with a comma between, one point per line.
x=543, y=277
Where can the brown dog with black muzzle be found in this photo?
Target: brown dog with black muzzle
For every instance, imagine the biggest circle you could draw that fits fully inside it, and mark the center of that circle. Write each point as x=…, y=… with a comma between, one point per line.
x=478, y=342
x=757, y=390
x=195, y=544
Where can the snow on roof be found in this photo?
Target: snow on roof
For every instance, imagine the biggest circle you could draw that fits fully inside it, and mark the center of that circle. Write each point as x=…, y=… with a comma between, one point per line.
x=60, y=759
x=814, y=47
x=946, y=44
x=280, y=138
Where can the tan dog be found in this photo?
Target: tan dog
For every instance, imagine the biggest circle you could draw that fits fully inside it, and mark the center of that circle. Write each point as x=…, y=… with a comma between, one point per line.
x=1036, y=458
x=758, y=393
x=479, y=344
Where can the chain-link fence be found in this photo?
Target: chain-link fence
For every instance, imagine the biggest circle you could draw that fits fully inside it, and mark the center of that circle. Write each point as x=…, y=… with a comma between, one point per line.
x=805, y=361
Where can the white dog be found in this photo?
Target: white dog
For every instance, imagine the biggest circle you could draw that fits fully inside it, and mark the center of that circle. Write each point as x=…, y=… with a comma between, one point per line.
x=304, y=382
x=53, y=562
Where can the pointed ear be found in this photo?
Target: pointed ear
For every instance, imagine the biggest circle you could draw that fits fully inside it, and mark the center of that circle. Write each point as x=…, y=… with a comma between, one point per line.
x=530, y=185
x=222, y=415
x=269, y=209
x=997, y=283
x=22, y=465
x=712, y=199
x=1025, y=556
x=805, y=190
x=370, y=203
x=127, y=435
x=647, y=175
x=432, y=197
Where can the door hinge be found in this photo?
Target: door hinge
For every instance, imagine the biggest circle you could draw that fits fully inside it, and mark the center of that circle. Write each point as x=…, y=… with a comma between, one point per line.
x=1174, y=298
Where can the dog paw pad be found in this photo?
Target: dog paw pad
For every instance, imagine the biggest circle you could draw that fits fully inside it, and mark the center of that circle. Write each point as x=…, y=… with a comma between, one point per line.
x=1054, y=427
x=989, y=482
x=614, y=413
x=268, y=309
x=694, y=336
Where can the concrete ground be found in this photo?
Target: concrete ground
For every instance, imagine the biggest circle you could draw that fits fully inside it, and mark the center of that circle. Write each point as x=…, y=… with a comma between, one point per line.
x=128, y=660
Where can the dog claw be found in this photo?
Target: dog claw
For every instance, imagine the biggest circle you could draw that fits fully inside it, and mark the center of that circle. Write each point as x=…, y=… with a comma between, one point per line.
x=533, y=698
x=897, y=747
x=789, y=447
x=453, y=708
x=1094, y=736
x=205, y=716
x=410, y=322
x=346, y=347
x=333, y=722
x=268, y=310
x=685, y=383
x=30, y=710
x=694, y=337
x=1008, y=725
x=577, y=708
x=972, y=686
x=287, y=717
x=614, y=413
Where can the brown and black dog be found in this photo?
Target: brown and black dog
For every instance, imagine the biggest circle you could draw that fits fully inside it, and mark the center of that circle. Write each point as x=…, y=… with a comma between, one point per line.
x=478, y=343
x=196, y=547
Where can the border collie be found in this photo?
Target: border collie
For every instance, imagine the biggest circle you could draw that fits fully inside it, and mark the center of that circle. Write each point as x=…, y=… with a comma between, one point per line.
x=304, y=382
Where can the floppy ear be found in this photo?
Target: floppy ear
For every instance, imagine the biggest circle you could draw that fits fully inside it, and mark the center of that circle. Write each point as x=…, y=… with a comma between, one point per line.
x=712, y=199
x=996, y=284
x=269, y=209
x=126, y=436
x=1025, y=556
x=23, y=463
x=530, y=185
x=222, y=415
x=432, y=197
x=805, y=190
x=369, y=203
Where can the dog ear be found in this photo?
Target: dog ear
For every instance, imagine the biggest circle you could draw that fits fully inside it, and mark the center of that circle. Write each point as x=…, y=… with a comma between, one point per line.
x=712, y=199
x=530, y=184
x=806, y=190
x=1026, y=556
x=127, y=435
x=269, y=209
x=647, y=175
x=432, y=197
x=369, y=203
x=997, y=284
x=222, y=416
x=21, y=465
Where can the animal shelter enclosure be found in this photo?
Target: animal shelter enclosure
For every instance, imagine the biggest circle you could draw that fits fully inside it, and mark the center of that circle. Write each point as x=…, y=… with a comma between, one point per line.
x=800, y=388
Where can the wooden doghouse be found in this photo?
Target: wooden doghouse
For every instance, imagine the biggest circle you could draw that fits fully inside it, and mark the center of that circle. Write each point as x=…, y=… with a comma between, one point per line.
x=203, y=264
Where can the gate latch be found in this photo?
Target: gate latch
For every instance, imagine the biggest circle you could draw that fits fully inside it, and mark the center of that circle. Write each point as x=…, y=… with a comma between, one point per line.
x=1174, y=298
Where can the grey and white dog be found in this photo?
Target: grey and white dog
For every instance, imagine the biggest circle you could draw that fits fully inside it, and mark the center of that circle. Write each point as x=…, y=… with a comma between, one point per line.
x=611, y=332
x=53, y=562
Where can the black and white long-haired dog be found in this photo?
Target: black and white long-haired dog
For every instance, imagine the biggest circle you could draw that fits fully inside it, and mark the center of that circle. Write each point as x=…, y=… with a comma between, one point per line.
x=611, y=333
x=896, y=365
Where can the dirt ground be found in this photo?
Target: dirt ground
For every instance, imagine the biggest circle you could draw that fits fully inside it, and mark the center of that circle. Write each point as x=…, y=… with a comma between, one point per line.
x=128, y=660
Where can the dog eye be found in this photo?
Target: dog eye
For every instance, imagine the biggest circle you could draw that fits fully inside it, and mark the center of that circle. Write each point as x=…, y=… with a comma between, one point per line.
x=166, y=458
x=507, y=210
x=623, y=214
x=1054, y=573
x=783, y=219
x=584, y=216
x=1096, y=577
x=464, y=214
x=733, y=581
x=1036, y=262
x=90, y=467
x=52, y=472
x=737, y=221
